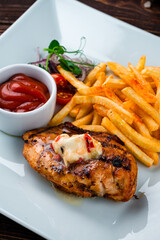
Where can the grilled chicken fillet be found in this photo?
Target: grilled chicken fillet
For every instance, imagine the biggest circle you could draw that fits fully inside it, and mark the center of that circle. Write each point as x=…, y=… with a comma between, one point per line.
x=113, y=174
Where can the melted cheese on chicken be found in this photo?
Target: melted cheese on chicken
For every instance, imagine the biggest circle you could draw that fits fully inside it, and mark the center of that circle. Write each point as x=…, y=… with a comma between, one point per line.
x=76, y=148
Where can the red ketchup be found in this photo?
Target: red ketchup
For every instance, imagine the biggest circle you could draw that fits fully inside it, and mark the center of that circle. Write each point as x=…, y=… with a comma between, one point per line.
x=22, y=93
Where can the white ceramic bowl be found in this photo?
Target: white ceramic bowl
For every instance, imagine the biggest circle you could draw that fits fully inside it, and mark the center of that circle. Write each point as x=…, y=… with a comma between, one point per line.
x=15, y=123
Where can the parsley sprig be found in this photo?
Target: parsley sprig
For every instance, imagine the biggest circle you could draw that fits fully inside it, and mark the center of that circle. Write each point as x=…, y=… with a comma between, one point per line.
x=68, y=65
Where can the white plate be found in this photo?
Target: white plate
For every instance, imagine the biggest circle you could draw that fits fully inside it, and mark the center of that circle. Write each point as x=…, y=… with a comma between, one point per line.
x=28, y=198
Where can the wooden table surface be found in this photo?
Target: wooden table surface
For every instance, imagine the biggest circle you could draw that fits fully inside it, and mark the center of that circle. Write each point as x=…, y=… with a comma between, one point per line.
x=132, y=12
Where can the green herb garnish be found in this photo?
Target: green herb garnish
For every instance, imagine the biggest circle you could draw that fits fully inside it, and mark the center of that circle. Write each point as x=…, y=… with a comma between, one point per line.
x=68, y=65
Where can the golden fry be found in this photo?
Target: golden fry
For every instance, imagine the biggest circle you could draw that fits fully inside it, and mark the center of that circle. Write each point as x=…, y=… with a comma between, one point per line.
x=141, y=64
x=91, y=91
x=136, y=151
x=129, y=105
x=153, y=68
x=102, y=111
x=135, y=137
x=132, y=103
x=141, y=127
x=111, y=95
x=148, y=120
x=91, y=78
x=73, y=113
x=137, y=123
x=84, y=121
x=113, y=83
x=140, y=79
x=121, y=96
x=152, y=155
x=119, y=70
x=100, y=79
x=58, y=118
x=106, y=103
x=130, y=93
x=158, y=96
x=126, y=75
x=154, y=74
x=84, y=110
x=95, y=128
x=96, y=119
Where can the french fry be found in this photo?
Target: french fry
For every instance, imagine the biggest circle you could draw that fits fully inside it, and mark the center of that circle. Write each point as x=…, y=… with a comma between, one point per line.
x=129, y=105
x=143, y=142
x=130, y=93
x=136, y=151
x=125, y=74
x=91, y=78
x=154, y=74
x=149, y=122
x=73, y=113
x=141, y=127
x=156, y=106
x=71, y=78
x=111, y=95
x=119, y=70
x=143, y=130
x=141, y=64
x=152, y=68
x=97, y=86
x=121, y=96
x=113, y=83
x=132, y=104
x=106, y=103
x=95, y=128
x=100, y=79
x=91, y=91
x=137, y=123
x=108, y=78
x=84, y=121
x=152, y=155
x=96, y=118
x=102, y=111
x=84, y=110
x=140, y=78
x=158, y=96
x=58, y=118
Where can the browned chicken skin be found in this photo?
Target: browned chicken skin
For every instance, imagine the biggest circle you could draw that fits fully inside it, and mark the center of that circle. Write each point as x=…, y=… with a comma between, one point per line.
x=113, y=175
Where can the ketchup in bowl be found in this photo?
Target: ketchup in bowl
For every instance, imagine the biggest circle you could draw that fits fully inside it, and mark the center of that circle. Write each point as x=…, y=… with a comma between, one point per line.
x=22, y=93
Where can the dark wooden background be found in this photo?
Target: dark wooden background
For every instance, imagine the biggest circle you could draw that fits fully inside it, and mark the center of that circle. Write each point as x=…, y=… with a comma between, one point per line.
x=131, y=11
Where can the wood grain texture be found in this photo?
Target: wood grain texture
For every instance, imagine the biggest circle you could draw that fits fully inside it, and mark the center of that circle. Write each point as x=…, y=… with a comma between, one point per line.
x=131, y=11
x=11, y=10
x=11, y=230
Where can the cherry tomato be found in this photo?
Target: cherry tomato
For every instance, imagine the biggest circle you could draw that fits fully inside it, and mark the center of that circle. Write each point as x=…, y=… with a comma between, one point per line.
x=63, y=97
x=61, y=82
x=64, y=92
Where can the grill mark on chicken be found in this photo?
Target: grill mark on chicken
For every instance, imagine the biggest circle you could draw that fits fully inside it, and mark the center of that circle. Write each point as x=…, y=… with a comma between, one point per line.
x=105, y=144
x=113, y=175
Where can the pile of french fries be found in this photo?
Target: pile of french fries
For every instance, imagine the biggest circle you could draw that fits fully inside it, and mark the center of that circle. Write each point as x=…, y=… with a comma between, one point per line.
x=127, y=106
